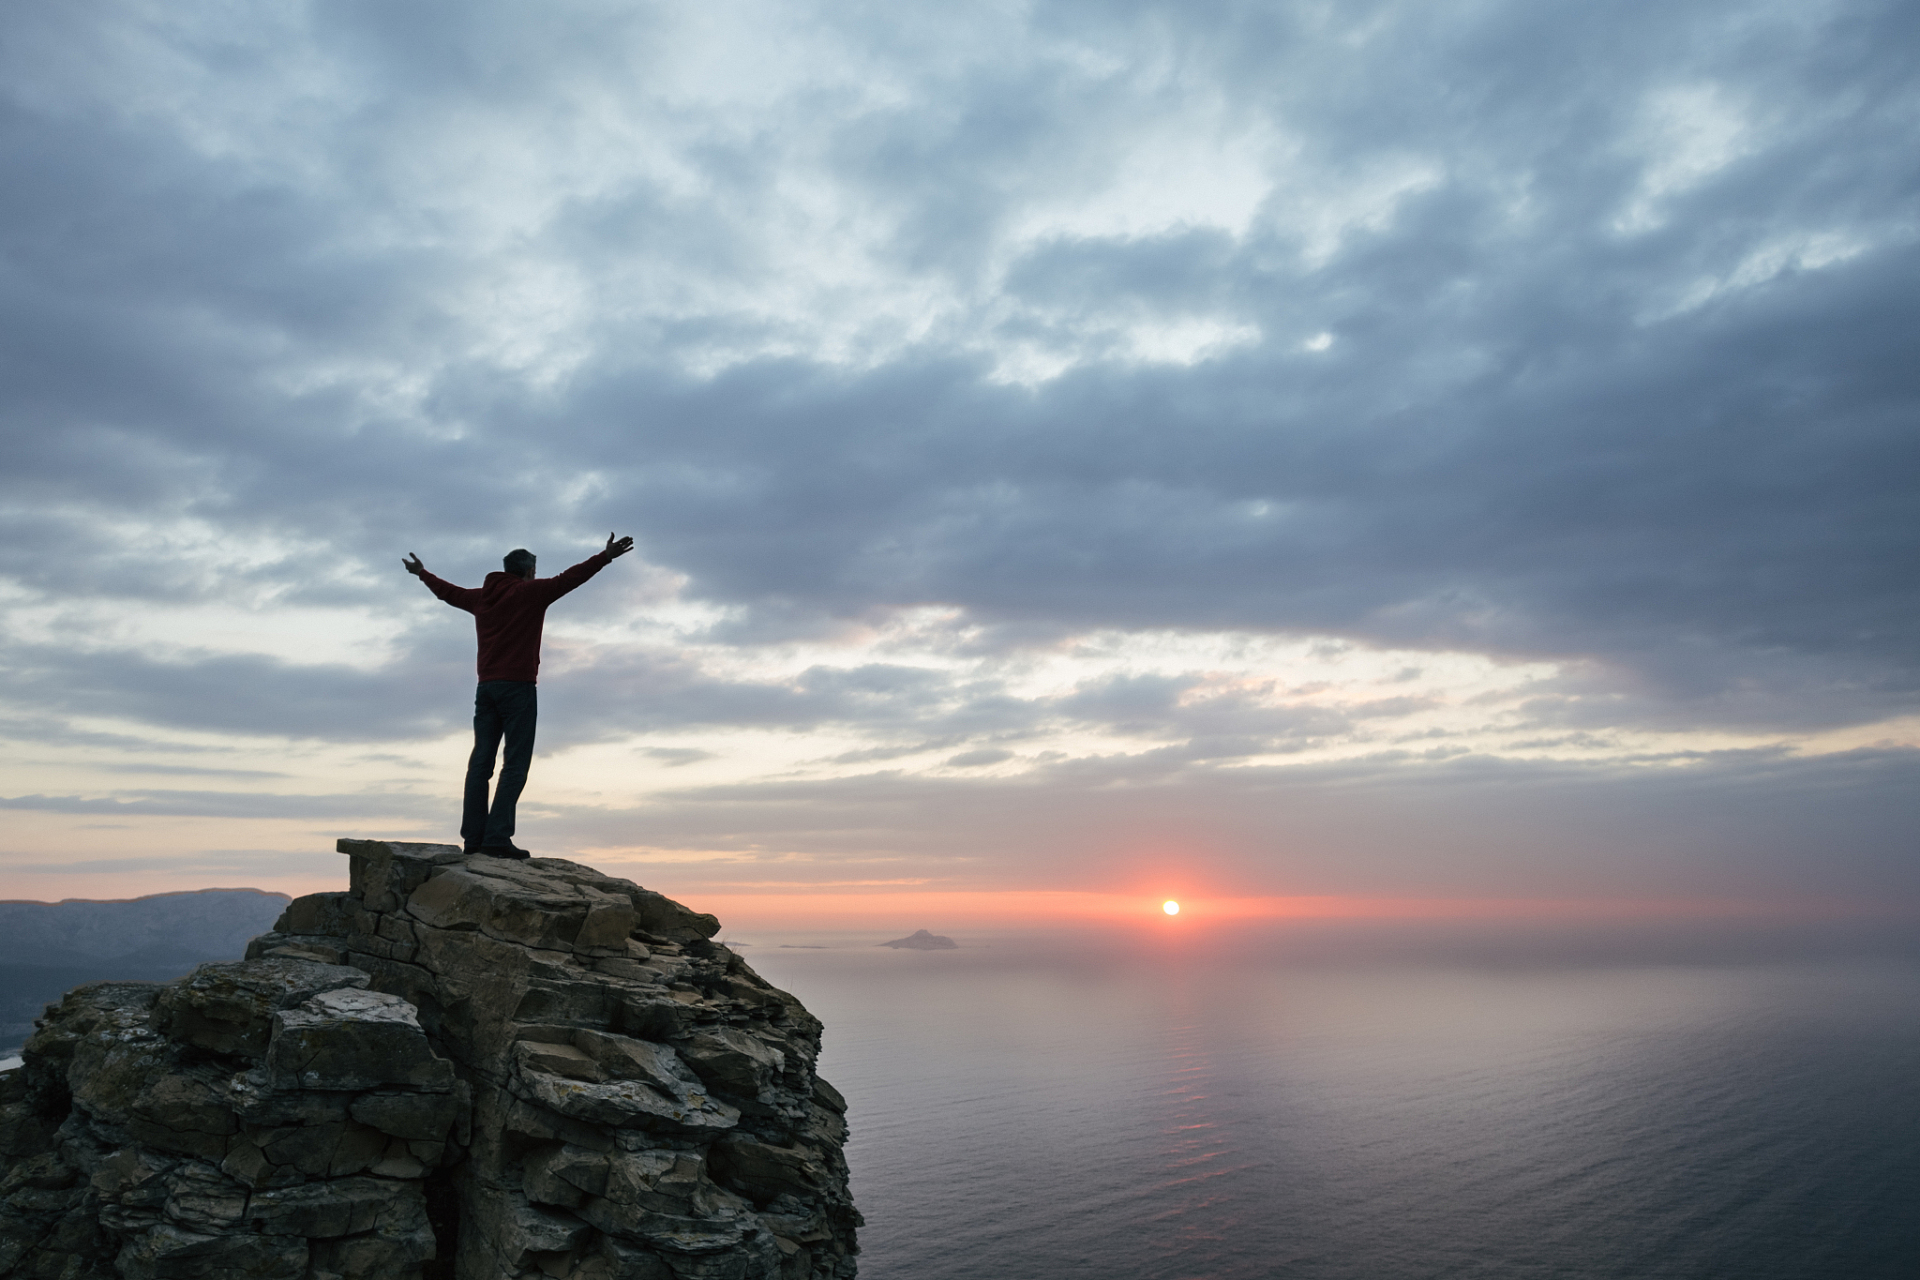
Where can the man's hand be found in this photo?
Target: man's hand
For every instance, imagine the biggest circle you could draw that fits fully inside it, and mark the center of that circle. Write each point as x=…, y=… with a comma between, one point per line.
x=617, y=547
x=413, y=566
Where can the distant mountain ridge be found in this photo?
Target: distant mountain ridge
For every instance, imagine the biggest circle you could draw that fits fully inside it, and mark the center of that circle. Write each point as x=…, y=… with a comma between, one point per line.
x=201, y=924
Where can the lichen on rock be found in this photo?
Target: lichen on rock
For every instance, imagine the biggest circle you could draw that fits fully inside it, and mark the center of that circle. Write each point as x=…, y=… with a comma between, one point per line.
x=460, y=1067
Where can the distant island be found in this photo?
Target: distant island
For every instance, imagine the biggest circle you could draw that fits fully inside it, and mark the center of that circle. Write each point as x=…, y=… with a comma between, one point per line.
x=921, y=940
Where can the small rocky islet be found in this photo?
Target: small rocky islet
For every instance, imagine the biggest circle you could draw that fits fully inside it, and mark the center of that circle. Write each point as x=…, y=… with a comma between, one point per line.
x=460, y=1067
x=922, y=940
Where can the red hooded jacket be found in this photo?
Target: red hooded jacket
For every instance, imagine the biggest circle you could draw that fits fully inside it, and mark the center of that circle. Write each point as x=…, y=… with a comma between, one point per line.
x=509, y=613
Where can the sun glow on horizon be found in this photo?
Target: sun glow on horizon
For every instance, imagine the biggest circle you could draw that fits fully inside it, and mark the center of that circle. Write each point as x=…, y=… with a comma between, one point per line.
x=903, y=909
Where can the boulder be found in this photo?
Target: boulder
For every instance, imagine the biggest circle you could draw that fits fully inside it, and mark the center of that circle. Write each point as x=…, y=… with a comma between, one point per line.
x=733, y=1061
x=765, y=1171
x=228, y=1008
x=338, y=1207
x=169, y=1252
x=419, y=1117
x=342, y=1041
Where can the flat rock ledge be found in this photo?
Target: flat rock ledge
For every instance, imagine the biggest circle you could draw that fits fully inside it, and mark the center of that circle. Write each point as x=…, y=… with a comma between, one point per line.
x=461, y=1067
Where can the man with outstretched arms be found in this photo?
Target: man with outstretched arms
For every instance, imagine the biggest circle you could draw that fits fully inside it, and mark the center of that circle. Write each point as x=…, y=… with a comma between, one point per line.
x=508, y=610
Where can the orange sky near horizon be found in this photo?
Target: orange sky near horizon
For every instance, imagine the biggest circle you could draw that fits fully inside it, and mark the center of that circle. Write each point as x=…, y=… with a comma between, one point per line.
x=887, y=907
x=901, y=906
x=1035, y=908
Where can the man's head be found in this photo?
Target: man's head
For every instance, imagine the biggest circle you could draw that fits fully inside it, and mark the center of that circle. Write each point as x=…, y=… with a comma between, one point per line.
x=519, y=562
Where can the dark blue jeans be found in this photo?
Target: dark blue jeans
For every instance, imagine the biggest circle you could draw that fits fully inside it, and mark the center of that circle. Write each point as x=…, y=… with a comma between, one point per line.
x=501, y=708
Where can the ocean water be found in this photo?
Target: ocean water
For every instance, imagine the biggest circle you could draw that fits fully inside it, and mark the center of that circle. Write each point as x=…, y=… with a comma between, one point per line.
x=1177, y=1118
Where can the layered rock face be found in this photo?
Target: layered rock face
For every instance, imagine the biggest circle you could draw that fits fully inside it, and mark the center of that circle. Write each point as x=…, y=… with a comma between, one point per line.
x=461, y=1067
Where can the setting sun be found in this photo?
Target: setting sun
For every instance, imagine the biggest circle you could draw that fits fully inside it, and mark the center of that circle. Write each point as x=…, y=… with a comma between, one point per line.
x=1171, y=907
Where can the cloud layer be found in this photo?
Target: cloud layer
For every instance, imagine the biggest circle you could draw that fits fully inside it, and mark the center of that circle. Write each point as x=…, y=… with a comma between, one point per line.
x=1000, y=399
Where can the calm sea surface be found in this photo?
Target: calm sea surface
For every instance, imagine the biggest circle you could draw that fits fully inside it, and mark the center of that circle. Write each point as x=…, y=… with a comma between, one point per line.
x=1186, y=1118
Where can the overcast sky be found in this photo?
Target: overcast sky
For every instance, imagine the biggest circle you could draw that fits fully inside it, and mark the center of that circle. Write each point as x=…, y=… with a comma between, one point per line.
x=1453, y=450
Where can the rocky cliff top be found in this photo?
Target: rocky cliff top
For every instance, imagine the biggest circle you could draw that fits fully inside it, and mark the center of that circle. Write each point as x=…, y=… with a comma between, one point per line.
x=460, y=1067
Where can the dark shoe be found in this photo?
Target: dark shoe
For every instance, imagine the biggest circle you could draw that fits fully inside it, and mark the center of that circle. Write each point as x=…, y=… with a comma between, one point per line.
x=504, y=851
x=472, y=848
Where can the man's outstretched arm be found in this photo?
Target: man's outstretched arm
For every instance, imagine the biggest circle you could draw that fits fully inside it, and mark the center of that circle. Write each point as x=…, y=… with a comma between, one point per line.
x=561, y=583
x=458, y=597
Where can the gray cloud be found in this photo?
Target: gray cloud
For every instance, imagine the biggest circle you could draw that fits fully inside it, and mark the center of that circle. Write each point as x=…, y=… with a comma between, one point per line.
x=232, y=804
x=185, y=770
x=1733, y=825
x=241, y=694
x=677, y=757
x=979, y=758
